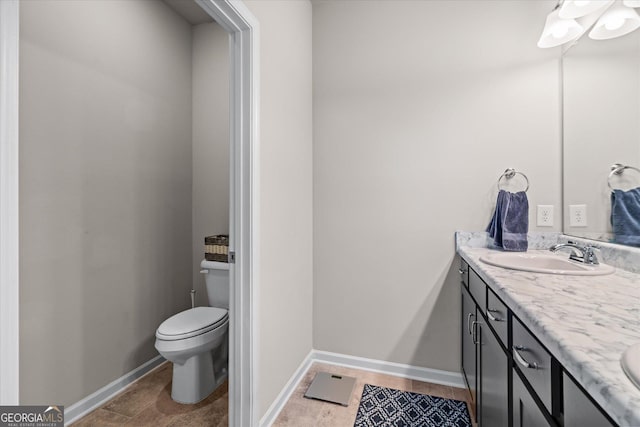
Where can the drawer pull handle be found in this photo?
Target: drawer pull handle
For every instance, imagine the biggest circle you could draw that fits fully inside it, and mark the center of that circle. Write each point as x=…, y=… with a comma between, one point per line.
x=474, y=336
x=492, y=317
x=461, y=271
x=469, y=316
x=521, y=360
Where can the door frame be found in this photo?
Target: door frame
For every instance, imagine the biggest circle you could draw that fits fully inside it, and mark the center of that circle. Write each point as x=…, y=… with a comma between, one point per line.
x=243, y=31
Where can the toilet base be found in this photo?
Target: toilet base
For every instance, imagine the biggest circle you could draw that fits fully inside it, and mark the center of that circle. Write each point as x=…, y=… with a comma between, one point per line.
x=194, y=380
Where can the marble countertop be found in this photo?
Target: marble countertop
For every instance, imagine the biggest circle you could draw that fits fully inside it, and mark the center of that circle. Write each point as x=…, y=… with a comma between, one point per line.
x=586, y=322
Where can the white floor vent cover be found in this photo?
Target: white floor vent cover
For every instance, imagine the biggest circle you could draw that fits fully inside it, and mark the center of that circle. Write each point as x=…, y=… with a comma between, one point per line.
x=331, y=388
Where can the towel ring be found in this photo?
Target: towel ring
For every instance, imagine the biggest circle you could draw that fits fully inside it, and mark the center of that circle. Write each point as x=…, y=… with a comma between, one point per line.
x=510, y=173
x=618, y=169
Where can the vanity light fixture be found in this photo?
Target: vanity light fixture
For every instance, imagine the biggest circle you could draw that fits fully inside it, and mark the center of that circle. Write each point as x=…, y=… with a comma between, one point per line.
x=558, y=31
x=607, y=19
x=578, y=8
x=615, y=22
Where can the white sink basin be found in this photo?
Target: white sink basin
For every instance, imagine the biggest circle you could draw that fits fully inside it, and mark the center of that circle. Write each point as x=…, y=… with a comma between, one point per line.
x=544, y=262
x=631, y=364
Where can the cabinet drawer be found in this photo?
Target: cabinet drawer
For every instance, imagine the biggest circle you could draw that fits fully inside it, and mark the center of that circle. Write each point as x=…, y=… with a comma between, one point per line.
x=464, y=272
x=477, y=288
x=533, y=361
x=497, y=317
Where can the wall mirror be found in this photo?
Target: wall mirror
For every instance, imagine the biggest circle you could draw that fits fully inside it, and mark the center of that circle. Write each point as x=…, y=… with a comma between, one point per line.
x=601, y=127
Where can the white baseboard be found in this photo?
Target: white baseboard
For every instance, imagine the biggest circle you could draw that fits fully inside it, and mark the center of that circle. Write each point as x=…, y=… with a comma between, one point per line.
x=434, y=376
x=83, y=407
x=277, y=405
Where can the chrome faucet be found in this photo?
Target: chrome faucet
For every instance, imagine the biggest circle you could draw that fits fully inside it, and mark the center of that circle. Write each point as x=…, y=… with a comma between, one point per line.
x=586, y=253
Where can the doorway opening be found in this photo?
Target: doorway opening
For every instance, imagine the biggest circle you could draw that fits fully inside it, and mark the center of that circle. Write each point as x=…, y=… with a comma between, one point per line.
x=242, y=29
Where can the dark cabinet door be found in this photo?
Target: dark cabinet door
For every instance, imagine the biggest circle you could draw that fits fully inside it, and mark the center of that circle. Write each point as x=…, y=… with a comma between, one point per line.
x=494, y=380
x=469, y=367
x=579, y=411
x=525, y=411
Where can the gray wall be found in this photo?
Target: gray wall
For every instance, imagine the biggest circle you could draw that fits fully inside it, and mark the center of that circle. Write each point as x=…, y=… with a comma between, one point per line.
x=285, y=283
x=105, y=189
x=418, y=107
x=210, y=120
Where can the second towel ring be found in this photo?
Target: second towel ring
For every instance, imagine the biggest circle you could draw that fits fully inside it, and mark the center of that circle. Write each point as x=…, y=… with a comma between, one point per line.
x=618, y=169
x=510, y=173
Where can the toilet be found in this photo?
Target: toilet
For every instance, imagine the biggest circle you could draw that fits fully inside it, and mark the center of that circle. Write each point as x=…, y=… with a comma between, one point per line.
x=196, y=341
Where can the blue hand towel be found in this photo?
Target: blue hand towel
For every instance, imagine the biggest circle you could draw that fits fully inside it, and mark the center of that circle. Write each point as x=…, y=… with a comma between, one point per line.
x=510, y=222
x=625, y=216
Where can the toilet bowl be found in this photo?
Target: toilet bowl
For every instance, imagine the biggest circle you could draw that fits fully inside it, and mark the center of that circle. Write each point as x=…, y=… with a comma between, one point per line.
x=196, y=340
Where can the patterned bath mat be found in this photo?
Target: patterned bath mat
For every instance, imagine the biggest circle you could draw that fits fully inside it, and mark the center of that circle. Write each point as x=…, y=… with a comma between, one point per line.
x=381, y=406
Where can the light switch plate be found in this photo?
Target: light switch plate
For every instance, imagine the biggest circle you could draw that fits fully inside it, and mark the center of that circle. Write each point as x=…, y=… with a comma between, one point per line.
x=545, y=216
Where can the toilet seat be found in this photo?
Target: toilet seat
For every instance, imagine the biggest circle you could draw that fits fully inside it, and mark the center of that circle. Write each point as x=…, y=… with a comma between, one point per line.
x=190, y=323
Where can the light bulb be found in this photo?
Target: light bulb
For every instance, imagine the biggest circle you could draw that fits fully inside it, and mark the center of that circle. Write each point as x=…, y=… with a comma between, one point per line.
x=559, y=31
x=579, y=8
x=614, y=22
x=617, y=21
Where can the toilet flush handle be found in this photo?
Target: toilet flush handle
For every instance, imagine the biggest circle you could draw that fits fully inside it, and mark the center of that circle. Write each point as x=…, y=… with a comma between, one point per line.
x=204, y=271
x=193, y=298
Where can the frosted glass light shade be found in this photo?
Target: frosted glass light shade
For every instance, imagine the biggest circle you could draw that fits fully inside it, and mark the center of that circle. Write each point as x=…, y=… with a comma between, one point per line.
x=558, y=31
x=615, y=22
x=631, y=3
x=578, y=8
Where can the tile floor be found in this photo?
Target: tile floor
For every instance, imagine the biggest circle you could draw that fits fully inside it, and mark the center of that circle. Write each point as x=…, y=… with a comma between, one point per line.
x=300, y=411
x=147, y=402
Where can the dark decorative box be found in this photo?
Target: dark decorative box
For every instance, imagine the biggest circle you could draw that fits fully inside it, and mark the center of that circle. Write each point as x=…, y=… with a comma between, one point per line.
x=216, y=248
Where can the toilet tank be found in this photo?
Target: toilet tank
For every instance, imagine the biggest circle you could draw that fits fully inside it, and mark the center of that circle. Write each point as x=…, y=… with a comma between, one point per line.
x=216, y=276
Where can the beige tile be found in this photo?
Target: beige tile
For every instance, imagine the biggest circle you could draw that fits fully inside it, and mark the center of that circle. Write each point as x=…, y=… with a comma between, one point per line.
x=148, y=402
x=432, y=389
x=209, y=415
x=334, y=415
x=143, y=393
x=149, y=416
x=131, y=401
x=101, y=417
x=382, y=380
x=167, y=406
x=295, y=414
x=460, y=393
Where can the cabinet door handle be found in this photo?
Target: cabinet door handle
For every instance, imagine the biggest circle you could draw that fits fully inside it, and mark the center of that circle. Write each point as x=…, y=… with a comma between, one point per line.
x=474, y=336
x=521, y=360
x=461, y=271
x=492, y=317
x=469, y=316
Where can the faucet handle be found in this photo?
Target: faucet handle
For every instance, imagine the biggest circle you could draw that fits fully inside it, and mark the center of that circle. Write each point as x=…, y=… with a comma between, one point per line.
x=589, y=254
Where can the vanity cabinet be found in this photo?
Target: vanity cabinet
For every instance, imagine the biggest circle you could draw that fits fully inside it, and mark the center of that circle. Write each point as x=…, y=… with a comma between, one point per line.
x=484, y=361
x=512, y=378
x=494, y=380
x=526, y=413
x=469, y=366
x=579, y=410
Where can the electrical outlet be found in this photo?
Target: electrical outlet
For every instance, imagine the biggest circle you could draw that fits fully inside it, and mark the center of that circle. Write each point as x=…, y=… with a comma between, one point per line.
x=545, y=216
x=578, y=215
